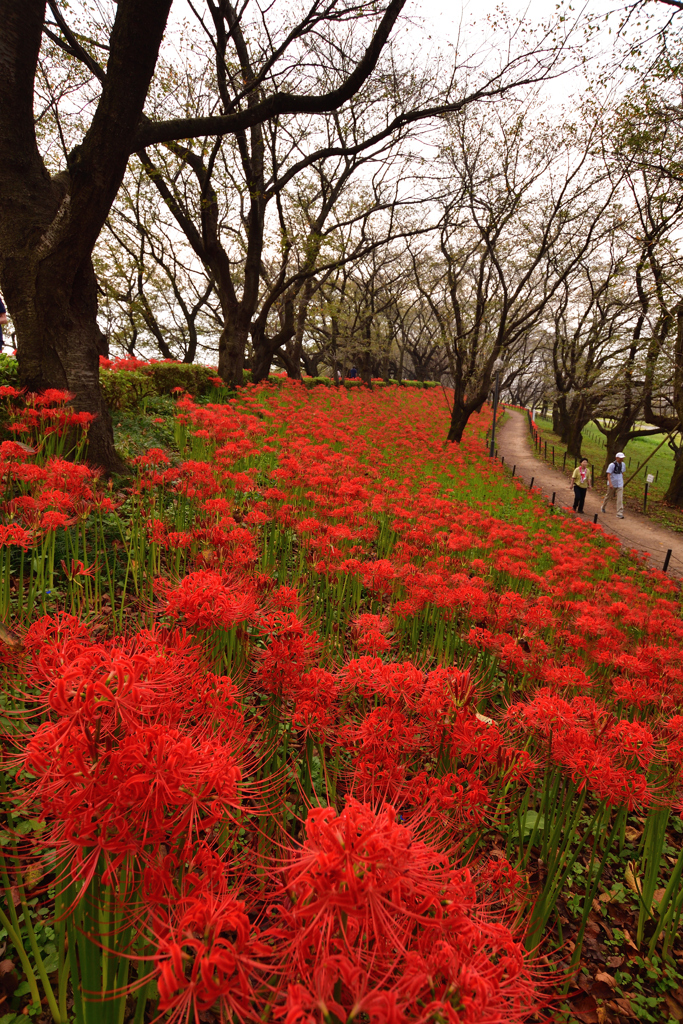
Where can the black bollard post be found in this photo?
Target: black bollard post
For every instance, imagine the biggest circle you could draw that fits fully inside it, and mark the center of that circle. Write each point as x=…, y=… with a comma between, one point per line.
x=502, y=461
x=532, y=483
x=552, y=500
x=667, y=560
x=513, y=469
x=645, y=499
x=595, y=518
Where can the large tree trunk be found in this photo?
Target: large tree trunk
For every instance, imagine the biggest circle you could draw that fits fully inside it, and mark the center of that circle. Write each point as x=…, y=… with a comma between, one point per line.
x=462, y=410
x=53, y=303
x=49, y=226
x=615, y=441
x=573, y=438
x=231, y=348
x=569, y=419
x=263, y=358
x=560, y=418
x=60, y=346
x=674, y=494
x=459, y=418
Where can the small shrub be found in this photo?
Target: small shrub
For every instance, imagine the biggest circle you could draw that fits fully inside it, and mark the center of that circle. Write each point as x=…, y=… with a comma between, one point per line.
x=126, y=383
x=9, y=371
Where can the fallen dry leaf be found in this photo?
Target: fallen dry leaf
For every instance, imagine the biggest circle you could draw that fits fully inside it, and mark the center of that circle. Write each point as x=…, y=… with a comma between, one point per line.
x=606, y=978
x=675, y=1008
x=657, y=897
x=622, y=1006
x=601, y=991
x=632, y=834
x=632, y=880
x=9, y=637
x=584, y=1008
x=9, y=978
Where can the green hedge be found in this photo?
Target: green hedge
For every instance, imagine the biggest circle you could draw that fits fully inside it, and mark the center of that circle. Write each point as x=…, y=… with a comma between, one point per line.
x=9, y=371
x=126, y=389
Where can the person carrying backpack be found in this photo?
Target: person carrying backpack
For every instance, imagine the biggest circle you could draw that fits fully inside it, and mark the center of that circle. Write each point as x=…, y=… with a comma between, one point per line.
x=615, y=484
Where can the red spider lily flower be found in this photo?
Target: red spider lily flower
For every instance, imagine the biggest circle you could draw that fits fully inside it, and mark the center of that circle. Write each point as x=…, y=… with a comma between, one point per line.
x=285, y=598
x=153, y=457
x=207, y=598
x=14, y=450
x=77, y=569
x=52, y=520
x=209, y=954
x=341, y=987
x=84, y=420
x=51, y=396
x=353, y=872
x=15, y=535
x=288, y=653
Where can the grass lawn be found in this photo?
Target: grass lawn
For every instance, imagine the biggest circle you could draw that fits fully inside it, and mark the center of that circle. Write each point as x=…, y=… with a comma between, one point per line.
x=660, y=466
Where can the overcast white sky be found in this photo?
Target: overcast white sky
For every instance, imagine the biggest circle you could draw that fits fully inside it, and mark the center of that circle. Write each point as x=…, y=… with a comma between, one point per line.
x=442, y=20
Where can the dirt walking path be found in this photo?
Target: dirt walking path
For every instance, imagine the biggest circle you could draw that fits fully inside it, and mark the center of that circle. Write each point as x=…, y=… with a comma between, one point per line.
x=634, y=531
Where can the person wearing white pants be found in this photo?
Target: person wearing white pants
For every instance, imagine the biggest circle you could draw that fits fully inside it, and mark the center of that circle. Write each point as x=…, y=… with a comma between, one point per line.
x=615, y=484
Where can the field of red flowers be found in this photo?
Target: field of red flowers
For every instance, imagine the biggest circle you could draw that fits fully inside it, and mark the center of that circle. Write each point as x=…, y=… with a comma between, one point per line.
x=318, y=720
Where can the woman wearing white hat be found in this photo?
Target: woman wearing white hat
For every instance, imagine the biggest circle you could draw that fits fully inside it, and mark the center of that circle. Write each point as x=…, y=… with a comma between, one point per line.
x=615, y=484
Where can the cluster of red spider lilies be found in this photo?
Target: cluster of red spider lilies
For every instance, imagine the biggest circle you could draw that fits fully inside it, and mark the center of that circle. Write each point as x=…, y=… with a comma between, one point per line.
x=288, y=718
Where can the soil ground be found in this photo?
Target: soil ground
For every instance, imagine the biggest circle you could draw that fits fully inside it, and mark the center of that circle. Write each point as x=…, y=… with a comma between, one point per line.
x=634, y=531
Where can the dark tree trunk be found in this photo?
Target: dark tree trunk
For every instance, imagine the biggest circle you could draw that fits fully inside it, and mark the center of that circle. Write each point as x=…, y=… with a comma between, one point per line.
x=232, y=345
x=616, y=440
x=399, y=369
x=295, y=347
x=569, y=420
x=49, y=226
x=674, y=494
x=261, y=364
x=560, y=420
x=310, y=364
x=265, y=346
x=292, y=365
x=462, y=410
x=61, y=345
x=284, y=359
x=364, y=367
x=573, y=438
x=459, y=419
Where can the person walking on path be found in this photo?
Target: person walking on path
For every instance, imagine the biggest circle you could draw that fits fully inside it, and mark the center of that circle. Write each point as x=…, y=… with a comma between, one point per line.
x=3, y=319
x=580, y=481
x=615, y=484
